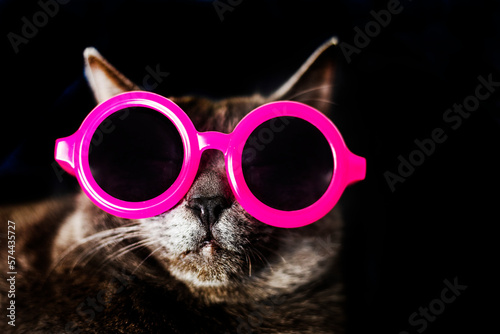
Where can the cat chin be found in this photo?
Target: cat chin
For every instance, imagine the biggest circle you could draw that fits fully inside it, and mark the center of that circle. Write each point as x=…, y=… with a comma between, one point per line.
x=206, y=267
x=199, y=280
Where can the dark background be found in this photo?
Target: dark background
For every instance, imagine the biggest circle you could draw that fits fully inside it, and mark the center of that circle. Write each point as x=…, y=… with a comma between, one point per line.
x=399, y=245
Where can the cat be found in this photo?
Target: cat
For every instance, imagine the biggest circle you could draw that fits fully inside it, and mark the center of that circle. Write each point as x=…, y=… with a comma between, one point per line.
x=82, y=270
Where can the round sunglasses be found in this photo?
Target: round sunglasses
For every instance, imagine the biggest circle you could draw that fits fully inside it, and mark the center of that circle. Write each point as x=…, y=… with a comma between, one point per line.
x=137, y=154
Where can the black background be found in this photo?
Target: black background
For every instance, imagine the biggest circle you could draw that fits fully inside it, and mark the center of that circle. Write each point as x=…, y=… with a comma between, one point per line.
x=399, y=245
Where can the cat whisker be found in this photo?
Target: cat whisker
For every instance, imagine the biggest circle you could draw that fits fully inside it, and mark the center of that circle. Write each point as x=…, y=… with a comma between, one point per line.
x=320, y=100
x=308, y=91
x=103, y=243
x=261, y=257
x=104, y=239
x=249, y=265
x=109, y=236
x=125, y=250
x=275, y=252
x=147, y=257
x=99, y=235
x=84, y=258
x=108, y=243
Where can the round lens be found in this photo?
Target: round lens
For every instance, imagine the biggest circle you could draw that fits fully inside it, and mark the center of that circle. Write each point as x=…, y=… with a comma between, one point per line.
x=287, y=163
x=136, y=154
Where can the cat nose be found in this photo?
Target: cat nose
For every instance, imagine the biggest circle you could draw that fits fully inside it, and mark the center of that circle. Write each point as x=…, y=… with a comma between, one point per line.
x=208, y=209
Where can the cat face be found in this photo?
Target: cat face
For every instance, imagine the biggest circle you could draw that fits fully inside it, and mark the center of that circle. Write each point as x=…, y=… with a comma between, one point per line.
x=208, y=241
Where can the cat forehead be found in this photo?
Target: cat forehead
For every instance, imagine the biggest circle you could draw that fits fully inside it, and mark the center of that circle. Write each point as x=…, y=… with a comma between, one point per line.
x=218, y=115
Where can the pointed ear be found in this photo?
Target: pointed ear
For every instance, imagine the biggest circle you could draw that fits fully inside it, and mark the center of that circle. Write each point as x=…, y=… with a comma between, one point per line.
x=313, y=83
x=104, y=80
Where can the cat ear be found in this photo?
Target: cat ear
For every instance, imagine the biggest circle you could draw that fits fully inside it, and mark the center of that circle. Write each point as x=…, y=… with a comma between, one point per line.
x=104, y=80
x=313, y=83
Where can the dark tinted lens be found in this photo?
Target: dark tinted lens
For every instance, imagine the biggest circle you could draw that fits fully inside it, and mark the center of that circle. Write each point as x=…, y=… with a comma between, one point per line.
x=136, y=154
x=287, y=163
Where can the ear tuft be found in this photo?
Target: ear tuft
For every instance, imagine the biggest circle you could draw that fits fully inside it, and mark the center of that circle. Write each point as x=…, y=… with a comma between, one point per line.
x=313, y=83
x=104, y=80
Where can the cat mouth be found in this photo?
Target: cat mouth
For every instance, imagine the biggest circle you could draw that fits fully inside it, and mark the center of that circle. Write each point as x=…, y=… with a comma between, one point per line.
x=207, y=248
x=208, y=264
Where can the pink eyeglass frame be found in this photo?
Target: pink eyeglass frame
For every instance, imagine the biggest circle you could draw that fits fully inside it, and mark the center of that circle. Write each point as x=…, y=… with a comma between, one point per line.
x=72, y=152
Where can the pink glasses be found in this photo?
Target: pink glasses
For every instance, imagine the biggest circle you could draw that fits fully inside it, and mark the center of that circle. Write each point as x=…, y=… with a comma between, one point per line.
x=137, y=154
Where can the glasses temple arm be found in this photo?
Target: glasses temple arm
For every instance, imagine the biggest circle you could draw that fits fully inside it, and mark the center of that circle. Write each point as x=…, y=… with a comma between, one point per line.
x=64, y=154
x=356, y=168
